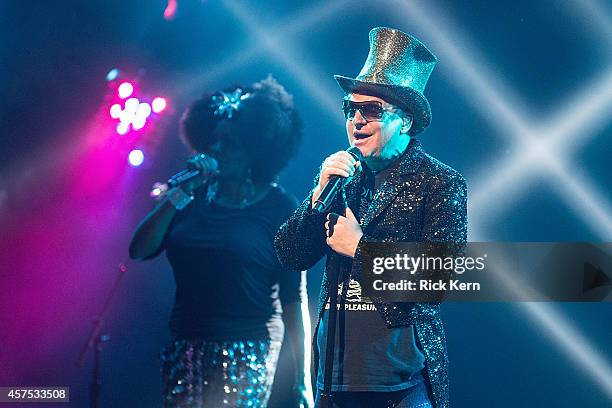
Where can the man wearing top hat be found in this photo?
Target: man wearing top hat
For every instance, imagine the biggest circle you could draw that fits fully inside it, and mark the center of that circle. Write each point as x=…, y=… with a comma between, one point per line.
x=386, y=354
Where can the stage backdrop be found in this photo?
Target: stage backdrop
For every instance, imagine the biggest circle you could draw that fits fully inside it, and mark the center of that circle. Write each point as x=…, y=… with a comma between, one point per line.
x=521, y=101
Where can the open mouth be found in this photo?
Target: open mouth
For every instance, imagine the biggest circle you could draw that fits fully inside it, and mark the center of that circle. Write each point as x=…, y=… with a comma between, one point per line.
x=360, y=136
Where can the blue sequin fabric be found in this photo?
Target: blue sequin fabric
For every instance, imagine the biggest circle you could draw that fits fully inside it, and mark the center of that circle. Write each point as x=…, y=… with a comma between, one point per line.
x=202, y=374
x=422, y=200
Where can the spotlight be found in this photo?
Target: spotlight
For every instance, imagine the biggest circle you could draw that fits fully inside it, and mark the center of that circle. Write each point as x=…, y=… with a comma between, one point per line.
x=170, y=11
x=136, y=157
x=112, y=74
x=128, y=107
x=159, y=104
x=123, y=127
x=125, y=116
x=144, y=109
x=125, y=90
x=138, y=122
x=131, y=105
x=115, y=111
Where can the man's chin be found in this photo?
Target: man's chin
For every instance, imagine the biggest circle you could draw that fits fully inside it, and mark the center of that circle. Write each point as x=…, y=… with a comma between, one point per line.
x=368, y=153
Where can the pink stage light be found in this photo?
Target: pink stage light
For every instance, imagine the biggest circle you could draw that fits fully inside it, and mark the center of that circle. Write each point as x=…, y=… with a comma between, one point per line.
x=115, y=111
x=125, y=90
x=144, y=109
x=159, y=104
x=136, y=157
x=123, y=127
x=131, y=105
x=128, y=107
x=139, y=122
x=170, y=10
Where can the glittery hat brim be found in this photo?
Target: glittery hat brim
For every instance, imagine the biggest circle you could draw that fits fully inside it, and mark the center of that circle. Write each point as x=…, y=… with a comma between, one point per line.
x=404, y=97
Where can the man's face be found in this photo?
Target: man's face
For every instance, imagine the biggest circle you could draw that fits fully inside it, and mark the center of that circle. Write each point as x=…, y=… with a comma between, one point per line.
x=377, y=139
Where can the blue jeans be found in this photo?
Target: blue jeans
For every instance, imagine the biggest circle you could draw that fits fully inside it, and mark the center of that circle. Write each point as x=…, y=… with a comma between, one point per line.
x=413, y=397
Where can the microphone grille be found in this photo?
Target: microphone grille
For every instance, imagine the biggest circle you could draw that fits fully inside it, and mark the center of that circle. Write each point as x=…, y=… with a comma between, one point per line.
x=355, y=152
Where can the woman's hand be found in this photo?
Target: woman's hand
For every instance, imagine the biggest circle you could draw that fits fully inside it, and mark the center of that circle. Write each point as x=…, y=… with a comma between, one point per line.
x=303, y=395
x=208, y=167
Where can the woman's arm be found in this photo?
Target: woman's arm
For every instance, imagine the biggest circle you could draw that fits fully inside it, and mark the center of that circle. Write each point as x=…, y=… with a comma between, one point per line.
x=149, y=234
x=297, y=323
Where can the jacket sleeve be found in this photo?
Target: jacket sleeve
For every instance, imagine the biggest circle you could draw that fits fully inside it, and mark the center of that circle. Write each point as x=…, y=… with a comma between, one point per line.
x=445, y=224
x=445, y=215
x=300, y=241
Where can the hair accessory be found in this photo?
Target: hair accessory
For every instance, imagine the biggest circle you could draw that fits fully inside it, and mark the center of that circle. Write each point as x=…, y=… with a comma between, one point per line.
x=228, y=102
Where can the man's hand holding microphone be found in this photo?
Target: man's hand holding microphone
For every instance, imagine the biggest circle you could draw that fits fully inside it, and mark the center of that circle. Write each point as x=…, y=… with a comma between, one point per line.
x=343, y=232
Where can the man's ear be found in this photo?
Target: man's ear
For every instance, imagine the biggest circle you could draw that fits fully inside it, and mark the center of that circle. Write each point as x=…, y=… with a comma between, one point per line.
x=407, y=124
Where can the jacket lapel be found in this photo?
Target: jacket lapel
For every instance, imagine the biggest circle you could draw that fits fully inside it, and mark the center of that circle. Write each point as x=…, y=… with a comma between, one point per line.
x=353, y=191
x=391, y=187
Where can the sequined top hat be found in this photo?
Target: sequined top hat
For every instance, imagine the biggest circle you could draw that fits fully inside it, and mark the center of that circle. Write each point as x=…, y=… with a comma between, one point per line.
x=397, y=69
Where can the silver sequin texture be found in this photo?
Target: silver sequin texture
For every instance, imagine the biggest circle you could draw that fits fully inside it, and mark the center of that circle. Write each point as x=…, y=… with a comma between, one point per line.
x=199, y=373
x=396, y=58
x=397, y=69
x=422, y=200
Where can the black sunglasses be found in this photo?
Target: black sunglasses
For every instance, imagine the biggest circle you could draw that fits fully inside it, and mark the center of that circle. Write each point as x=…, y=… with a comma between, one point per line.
x=370, y=110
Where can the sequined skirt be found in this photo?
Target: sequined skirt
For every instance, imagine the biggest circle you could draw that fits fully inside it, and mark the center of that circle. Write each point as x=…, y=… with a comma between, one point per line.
x=199, y=373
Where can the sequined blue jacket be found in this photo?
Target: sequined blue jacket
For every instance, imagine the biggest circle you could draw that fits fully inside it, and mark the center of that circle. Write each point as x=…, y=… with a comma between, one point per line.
x=422, y=200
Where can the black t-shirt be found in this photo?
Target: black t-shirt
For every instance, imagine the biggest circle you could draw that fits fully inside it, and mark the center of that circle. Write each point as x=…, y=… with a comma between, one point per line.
x=229, y=282
x=368, y=355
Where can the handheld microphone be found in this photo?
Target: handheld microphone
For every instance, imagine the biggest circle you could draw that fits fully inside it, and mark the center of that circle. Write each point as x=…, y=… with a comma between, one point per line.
x=330, y=189
x=199, y=165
